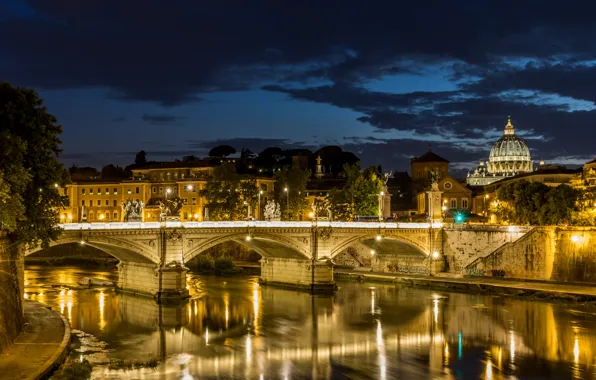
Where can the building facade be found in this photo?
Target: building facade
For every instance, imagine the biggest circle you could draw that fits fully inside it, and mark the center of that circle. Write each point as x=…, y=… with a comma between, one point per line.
x=508, y=157
x=101, y=200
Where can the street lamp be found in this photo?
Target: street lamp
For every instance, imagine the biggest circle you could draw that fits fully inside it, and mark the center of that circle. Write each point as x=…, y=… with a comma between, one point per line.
x=381, y=204
x=190, y=188
x=287, y=191
x=168, y=191
x=260, y=193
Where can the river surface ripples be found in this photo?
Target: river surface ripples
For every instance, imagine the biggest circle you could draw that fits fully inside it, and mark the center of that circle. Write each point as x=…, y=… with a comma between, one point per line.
x=232, y=328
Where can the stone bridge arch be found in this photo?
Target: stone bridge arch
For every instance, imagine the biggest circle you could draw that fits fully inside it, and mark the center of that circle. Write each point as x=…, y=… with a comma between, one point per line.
x=122, y=248
x=416, y=242
x=266, y=244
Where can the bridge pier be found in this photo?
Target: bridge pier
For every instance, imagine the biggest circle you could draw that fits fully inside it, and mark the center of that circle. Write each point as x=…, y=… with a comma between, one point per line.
x=298, y=273
x=166, y=284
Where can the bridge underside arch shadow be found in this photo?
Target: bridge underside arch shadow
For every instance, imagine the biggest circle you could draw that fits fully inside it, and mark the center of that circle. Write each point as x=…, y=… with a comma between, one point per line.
x=386, y=245
x=121, y=250
x=266, y=246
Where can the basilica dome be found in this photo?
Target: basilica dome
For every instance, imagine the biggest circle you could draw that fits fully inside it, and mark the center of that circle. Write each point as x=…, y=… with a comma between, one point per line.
x=510, y=155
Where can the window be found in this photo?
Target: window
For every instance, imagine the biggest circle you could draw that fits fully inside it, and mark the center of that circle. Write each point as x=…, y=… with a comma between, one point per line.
x=83, y=202
x=107, y=202
x=176, y=175
x=115, y=191
x=98, y=191
x=91, y=191
x=185, y=215
x=107, y=191
x=194, y=201
x=154, y=190
x=83, y=191
x=91, y=203
x=464, y=203
x=182, y=176
x=137, y=190
x=161, y=190
x=65, y=191
x=115, y=203
x=129, y=191
x=90, y=215
x=418, y=174
x=161, y=176
x=115, y=215
x=185, y=200
x=453, y=203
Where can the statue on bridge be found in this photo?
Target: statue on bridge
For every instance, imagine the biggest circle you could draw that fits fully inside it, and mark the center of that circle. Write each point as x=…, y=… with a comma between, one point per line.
x=170, y=208
x=133, y=210
x=272, y=211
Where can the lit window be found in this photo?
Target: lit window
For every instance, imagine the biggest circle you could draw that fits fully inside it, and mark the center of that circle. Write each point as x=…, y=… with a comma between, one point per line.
x=107, y=191
x=129, y=191
x=83, y=202
x=91, y=191
x=90, y=215
x=115, y=191
x=98, y=191
x=464, y=203
x=83, y=191
x=154, y=190
x=194, y=201
x=115, y=216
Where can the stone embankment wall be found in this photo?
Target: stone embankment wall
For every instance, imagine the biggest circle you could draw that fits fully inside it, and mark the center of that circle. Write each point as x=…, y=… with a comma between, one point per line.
x=546, y=253
x=464, y=244
x=11, y=290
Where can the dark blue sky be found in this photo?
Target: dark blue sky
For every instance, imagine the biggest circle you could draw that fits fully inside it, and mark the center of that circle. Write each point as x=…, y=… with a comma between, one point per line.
x=382, y=79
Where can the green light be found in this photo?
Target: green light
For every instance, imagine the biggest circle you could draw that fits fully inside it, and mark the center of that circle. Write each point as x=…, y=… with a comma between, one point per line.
x=459, y=218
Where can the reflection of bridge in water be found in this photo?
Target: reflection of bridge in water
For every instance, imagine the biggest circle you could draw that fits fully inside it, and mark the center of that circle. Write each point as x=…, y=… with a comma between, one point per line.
x=239, y=335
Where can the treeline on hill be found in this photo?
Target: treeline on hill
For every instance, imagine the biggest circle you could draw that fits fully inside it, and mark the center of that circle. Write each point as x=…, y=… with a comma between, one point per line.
x=270, y=160
x=526, y=203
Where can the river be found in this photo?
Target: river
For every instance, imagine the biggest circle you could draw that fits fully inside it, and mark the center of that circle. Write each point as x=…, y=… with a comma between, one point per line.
x=232, y=328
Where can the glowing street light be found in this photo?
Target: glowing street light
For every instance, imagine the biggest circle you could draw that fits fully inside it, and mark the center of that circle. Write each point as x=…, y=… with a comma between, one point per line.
x=435, y=255
x=379, y=237
x=287, y=191
x=372, y=252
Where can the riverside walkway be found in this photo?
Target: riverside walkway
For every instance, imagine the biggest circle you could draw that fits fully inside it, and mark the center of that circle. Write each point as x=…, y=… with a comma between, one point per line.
x=39, y=348
x=513, y=287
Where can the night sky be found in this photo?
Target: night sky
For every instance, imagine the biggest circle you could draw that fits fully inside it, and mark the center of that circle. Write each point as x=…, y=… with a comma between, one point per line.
x=382, y=79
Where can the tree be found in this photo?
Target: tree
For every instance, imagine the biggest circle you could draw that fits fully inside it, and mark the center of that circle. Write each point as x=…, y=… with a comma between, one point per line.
x=221, y=151
x=339, y=205
x=29, y=151
x=361, y=192
x=528, y=203
x=228, y=195
x=294, y=180
x=141, y=158
x=114, y=172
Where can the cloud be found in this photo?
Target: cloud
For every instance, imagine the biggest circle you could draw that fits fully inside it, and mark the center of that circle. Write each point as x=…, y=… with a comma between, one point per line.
x=163, y=119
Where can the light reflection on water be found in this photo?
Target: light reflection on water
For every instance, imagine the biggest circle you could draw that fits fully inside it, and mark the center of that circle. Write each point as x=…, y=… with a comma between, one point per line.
x=235, y=328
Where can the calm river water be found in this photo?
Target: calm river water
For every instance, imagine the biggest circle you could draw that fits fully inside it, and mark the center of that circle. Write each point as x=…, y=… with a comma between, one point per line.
x=232, y=328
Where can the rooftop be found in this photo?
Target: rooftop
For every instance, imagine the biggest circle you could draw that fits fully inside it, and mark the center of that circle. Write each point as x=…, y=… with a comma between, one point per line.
x=429, y=157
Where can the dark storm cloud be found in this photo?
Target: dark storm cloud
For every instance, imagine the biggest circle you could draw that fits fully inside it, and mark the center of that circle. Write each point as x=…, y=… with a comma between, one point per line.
x=170, y=52
x=163, y=119
x=174, y=53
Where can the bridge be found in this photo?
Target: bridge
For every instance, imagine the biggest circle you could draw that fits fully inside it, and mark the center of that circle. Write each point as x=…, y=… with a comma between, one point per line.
x=294, y=254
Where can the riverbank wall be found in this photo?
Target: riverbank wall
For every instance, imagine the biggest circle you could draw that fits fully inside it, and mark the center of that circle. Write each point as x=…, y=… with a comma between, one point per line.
x=566, y=254
x=11, y=290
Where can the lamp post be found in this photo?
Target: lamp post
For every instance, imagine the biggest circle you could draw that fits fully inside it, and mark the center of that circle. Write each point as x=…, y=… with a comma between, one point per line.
x=381, y=205
x=259, y=213
x=287, y=191
x=190, y=188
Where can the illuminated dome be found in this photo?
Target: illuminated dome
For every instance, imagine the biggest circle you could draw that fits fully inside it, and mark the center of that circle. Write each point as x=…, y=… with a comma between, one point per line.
x=510, y=154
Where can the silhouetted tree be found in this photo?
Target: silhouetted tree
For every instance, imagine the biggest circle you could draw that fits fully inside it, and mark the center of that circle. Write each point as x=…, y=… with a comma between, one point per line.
x=141, y=158
x=29, y=167
x=222, y=151
x=113, y=172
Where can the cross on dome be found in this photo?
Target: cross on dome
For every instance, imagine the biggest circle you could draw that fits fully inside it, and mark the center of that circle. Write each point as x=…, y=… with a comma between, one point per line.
x=509, y=127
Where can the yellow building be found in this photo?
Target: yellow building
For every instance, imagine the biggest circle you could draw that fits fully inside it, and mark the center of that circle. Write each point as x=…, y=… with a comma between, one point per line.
x=101, y=200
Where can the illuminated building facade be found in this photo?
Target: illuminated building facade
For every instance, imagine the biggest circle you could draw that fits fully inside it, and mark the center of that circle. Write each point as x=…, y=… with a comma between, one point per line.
x=101, y=200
